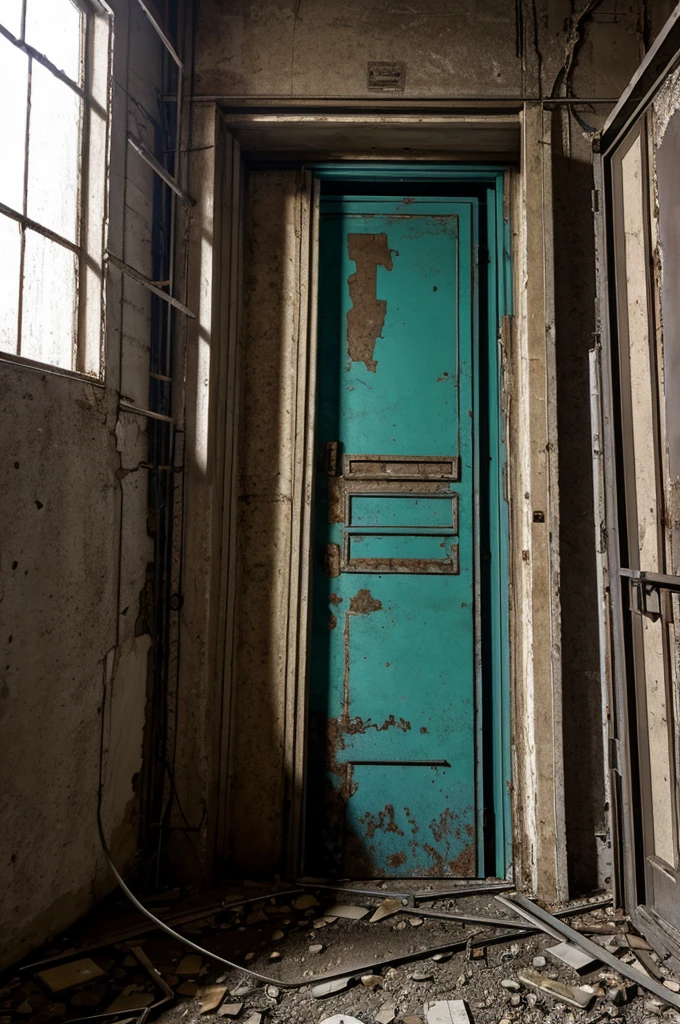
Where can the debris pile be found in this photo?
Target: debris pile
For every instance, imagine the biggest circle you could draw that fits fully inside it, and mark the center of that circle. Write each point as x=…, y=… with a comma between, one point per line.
x=346, y=955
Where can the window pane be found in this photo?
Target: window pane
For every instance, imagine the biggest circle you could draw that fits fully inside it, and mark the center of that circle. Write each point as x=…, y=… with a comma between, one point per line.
x=10, y=16
x=53, y=154
x=13, y=92
x=54, y=28
x=48, y=320
x=10, y=253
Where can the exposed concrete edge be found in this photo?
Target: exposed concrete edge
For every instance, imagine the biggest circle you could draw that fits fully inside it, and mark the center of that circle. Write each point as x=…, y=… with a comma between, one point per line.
x=539, y=819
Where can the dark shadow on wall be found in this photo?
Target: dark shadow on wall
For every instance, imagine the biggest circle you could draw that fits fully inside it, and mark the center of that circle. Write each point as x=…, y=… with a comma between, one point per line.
x=575, y=324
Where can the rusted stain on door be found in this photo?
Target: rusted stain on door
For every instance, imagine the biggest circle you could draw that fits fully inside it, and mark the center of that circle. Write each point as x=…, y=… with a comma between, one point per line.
x=366, y=318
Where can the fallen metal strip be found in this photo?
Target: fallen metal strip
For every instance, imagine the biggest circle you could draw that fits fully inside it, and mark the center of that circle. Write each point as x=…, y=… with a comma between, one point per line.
x=179, y=918
x=157, y=166
x=547, y=923
x=148, y=284
x=452, y=915
x=507, y=901
x=464, y=890
x=381, y=894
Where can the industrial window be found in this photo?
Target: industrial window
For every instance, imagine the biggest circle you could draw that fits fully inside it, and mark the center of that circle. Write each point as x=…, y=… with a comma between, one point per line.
x=54, y=84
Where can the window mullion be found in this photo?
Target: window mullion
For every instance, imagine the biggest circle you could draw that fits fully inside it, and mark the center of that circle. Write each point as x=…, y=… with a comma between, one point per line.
x=22, y=251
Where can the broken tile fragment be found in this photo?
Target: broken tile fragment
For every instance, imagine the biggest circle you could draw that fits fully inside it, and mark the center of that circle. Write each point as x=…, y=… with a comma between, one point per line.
x=573, y=957
x=386, y=1014
x=130, y=1001
x=187, y=988
x=449, y=1011
x=211, y=996
x=253, y=1018
x=573, y=996
x=305, y=902
x=347, y=911
x=674, y=986
x=386, y=909
x=58, y=979
x=189, y=965
x=230, y=1009
x=327, y=988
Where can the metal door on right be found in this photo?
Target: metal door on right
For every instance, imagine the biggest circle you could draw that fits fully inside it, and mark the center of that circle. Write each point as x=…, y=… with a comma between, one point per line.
x=639, y=238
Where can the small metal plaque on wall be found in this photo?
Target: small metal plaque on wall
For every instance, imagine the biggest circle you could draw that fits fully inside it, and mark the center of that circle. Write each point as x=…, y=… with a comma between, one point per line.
x=385, y=76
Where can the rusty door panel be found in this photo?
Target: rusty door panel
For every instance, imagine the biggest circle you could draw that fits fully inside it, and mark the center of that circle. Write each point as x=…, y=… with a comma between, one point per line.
x=391, y=780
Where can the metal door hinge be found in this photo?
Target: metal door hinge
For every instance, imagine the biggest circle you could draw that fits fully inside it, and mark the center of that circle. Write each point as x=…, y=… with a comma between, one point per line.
x=595, y=200
x=332, y=457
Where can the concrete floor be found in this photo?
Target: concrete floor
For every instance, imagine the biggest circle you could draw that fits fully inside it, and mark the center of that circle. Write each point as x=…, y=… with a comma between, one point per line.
x=294, y=937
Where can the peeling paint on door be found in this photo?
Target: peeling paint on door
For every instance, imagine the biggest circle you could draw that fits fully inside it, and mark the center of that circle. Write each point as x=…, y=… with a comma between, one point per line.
x=366, y=318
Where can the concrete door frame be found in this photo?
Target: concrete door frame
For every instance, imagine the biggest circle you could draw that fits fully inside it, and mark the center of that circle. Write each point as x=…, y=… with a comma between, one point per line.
x=529, y=397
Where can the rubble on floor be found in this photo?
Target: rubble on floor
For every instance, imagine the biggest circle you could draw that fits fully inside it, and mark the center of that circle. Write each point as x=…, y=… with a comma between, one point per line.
x=342, y=957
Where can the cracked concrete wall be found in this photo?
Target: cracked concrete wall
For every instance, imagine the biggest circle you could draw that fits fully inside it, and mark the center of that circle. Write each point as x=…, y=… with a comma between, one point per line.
x=73, y=571
x=306, y=50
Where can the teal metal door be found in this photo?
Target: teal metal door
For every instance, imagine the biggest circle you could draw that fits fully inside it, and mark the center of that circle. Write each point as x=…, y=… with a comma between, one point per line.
x=392, y=779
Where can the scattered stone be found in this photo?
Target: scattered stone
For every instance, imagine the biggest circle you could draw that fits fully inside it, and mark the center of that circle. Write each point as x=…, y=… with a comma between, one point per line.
x=253, y=1018
x=275, y=955
x=277, y=935
x=450, y=1011
x=515, y=999
x=211, y=996
x=230, y=1009
x=25, y=1008
x=422, y=975
x=508, y=983
x=573, y=957
x=386, y=909
x=539, y=961
x=328, y=988
x=273, y=991
x=242, y=990
x=399, y=926
x=319, y=922
x=415, y=922
x=305, y=902
x=371, y=980
x=442, y=958
x=316, y=947
x=386, y=1014
x=256, y=917
x=674, y=986
x=348, y=912
x=249, y=956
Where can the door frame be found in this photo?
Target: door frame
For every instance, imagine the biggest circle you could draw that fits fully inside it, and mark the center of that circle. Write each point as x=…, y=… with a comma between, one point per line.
x=496, y=245
x=225, y=143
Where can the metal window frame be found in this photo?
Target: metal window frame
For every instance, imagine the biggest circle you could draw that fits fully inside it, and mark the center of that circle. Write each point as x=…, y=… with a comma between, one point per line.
x=90, y=10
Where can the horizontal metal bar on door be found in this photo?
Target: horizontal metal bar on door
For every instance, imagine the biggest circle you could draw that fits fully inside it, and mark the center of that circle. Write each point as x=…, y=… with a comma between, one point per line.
x=146, y=283
x=156, y=166
x=402, y=531
x=406, y=764
x=161, y=35
x=658, y=579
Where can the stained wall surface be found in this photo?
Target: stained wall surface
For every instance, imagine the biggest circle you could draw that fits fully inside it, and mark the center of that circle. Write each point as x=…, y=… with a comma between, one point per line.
x=73, y=572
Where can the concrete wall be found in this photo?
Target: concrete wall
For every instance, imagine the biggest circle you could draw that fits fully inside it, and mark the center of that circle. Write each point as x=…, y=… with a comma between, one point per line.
x=73, y=570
